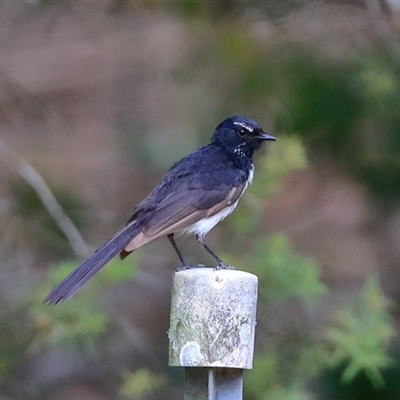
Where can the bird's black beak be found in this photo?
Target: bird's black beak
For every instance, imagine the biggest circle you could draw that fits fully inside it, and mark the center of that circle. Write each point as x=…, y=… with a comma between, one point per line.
x=265, y=136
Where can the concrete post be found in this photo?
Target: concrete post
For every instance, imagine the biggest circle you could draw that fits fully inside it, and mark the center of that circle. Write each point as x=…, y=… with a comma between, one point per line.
x=213, y=318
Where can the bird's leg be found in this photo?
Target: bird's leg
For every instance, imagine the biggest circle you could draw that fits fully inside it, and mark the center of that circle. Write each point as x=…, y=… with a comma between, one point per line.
x=221, y=264
x=185, y=265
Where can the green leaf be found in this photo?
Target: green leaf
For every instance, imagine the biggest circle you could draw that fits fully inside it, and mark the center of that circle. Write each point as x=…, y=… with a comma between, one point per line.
x=267, y=380
x=117, y=270
x=78, y=322
x=362, y=334
x=141, y=382
x=283, y=275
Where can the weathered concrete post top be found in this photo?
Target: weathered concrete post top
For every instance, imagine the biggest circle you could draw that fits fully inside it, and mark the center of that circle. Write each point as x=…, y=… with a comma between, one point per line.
x=213, y=318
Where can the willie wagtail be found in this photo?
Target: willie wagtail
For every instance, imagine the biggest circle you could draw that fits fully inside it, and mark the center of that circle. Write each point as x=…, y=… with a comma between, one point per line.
x=194, y=195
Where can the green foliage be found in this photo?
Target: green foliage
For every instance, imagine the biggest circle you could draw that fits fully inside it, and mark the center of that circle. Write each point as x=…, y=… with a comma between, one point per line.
x=284, y=275
x=275, y=377
x=284, y=156
x=140, y=383
x=72, y=325
x=222, y=9
x=362, y=333
x=377, y=79
x=377, y=162
x=77, y=323
x=349, y=111
x=264, y=381
x=117, y=270
x=290, y=359
x=15, y=336
x=358, y=337
x=356, y=340
x=322, y=103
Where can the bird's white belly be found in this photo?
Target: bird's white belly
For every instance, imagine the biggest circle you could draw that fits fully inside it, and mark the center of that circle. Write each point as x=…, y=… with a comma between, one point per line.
x=203, y=226
x=206, y=224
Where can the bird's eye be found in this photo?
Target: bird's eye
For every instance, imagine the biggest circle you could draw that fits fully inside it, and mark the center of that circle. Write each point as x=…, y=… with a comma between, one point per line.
x=241, y=133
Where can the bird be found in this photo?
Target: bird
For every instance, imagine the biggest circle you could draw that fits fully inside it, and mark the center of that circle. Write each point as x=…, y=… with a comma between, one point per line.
x=194, y=195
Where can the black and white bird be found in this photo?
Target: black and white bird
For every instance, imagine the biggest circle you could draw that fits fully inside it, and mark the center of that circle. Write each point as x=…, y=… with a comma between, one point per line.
x=194, y=195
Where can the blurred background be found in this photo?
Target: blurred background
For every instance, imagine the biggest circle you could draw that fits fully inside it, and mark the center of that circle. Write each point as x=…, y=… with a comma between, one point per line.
x=98, y=99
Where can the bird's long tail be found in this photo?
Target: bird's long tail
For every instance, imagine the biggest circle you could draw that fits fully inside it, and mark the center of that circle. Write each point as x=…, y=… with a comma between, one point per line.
x=81, y=274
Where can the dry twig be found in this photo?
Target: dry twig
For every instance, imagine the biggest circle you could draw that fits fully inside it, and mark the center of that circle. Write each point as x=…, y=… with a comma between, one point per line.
x=39, y=185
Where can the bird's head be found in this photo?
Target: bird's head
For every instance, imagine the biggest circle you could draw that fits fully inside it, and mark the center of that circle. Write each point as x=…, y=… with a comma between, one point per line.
x=240, y=136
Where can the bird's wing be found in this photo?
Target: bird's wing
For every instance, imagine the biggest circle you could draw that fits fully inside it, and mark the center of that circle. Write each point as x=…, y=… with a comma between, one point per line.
x=181, y=209
x=188, y=206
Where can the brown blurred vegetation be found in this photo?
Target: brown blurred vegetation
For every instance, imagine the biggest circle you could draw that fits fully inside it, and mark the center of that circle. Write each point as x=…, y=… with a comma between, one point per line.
x=100, y=98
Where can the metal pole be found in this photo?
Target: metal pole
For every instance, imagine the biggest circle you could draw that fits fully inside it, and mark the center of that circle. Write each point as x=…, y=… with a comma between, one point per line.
x=225, y=384
x=213, y=318
x=212, y=390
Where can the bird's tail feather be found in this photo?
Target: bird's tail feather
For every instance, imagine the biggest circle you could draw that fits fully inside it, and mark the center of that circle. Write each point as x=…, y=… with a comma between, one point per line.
x=80, y=275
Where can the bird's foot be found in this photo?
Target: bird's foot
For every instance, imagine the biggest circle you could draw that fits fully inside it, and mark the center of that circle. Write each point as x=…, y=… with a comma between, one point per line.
x=222, y=265
x=218, y=267
x=187, y=266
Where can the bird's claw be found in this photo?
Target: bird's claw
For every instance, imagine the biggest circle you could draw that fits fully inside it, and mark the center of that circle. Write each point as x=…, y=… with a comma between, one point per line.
x=218, y=267
x=222, y=265
x=187, y=266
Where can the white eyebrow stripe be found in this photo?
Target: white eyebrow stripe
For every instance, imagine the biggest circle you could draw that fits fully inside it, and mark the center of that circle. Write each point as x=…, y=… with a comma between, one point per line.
x=245, y=126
